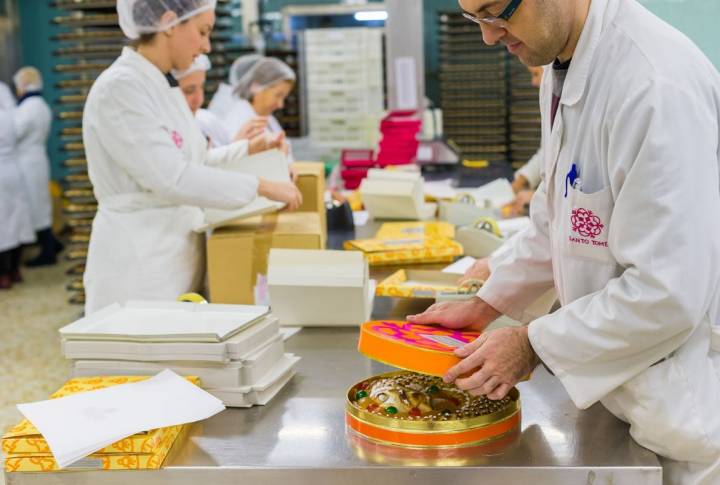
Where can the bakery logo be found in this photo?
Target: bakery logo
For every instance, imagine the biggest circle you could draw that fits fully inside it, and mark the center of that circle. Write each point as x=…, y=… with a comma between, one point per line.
x=177, y=139
x=588, y=225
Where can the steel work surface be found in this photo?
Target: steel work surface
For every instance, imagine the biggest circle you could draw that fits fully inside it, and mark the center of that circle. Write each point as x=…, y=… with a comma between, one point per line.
x=300, y=438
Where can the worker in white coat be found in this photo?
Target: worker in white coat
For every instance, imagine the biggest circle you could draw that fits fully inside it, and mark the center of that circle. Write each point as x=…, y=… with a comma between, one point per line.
x=33, y=119
x=149, y=163
x=192, y=84
x=624, y=225
x=258, y=87
x=16, y=228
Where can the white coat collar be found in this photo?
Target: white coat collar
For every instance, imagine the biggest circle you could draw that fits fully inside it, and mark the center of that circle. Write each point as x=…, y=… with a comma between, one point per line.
x=600, y=15
x=131, y=57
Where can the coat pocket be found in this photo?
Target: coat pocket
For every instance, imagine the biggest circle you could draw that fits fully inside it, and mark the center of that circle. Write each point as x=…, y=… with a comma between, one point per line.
x=587, y=224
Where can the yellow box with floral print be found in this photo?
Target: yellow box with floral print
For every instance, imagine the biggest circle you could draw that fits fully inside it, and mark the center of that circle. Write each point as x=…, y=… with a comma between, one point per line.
x=26, y=450
x=399, y=230
x=380, y=252
x=419, y=284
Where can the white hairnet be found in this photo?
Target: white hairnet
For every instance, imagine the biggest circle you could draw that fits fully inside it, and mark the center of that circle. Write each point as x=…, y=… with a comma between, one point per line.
x=139, y=17
x=259, y=75
x=7, y=100
x=28, y=79
x=241, y=66
x=201, y=63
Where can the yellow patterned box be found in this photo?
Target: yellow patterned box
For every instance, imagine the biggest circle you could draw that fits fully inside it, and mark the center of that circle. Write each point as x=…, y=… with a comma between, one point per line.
x=380, y=252
x=399, y=230
x=26, y=450
x=420, y=284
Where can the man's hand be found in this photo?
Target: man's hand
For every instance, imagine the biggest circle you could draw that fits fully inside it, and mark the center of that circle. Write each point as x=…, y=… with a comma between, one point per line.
x=473, y=314
x=494, y=362
x=480, y=270
x=252, y=128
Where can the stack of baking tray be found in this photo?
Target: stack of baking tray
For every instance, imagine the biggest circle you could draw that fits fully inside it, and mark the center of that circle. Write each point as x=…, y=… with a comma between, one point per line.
x=86, y=41
x=524, y=115
x=473, y=90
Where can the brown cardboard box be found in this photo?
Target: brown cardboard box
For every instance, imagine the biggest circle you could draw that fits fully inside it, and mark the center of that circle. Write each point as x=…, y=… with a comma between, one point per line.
x=237, y=253
x=311, y=182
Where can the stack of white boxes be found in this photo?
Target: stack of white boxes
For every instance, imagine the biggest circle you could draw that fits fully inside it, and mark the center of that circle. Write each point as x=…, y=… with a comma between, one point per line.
x=237, y=351
x=344, y=79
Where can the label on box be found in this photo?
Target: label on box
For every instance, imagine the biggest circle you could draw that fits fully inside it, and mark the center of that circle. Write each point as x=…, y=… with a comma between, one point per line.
x=444, y=340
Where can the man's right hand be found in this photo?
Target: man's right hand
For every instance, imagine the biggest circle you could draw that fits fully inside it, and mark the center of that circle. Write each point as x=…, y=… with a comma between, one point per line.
x=285, y=192
x=480, y=270
x=473, y=314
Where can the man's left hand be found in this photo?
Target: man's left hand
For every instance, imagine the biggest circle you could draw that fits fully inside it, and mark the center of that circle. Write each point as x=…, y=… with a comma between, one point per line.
x=494, y=362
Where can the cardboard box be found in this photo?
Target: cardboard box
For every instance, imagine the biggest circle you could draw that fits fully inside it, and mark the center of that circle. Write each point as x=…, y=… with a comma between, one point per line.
x=419, y=250
x=400, y=230
x=395, y=194
x=237, y=253
x=25, y=448
x=311, y=182
x=319, y=288
x=418, y=283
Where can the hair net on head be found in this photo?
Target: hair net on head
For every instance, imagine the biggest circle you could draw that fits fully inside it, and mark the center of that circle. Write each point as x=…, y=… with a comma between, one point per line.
x=201, y=63
x=241, y=66
x=7, y=100
x=261, y=75
x=28, y=79
x=139, y=17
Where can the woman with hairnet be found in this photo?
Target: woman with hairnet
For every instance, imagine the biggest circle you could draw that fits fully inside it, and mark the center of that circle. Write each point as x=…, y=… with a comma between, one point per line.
x=16, y=228
x=192, y=84
x=149, y=162
x=32, y=120
x=259, y=86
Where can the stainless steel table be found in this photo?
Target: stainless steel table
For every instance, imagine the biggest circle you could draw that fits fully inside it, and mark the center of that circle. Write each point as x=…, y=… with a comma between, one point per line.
x=300, y=438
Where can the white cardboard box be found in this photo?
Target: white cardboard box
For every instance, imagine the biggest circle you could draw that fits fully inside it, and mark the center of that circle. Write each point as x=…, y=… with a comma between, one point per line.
x=395, y=194
x=319, y=288
x=270, y=165
x=236, y=373
x=237, y=347
x=164, y=321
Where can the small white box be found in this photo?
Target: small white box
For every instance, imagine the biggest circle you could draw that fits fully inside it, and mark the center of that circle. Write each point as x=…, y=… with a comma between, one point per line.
x=319, y=288
x=394, y=194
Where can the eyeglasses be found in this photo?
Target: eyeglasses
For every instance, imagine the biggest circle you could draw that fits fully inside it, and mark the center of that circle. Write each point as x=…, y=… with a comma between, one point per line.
x=500, y=20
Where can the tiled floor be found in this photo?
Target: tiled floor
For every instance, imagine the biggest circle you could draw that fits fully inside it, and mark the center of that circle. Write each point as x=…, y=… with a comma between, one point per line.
x=31, y=365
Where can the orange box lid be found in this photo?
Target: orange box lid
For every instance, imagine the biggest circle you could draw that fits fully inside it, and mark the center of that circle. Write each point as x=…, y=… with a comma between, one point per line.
x=427, y=349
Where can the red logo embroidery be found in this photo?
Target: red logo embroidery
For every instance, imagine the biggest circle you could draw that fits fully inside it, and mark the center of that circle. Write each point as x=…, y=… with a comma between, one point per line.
x=585, y=223
x=177, y=139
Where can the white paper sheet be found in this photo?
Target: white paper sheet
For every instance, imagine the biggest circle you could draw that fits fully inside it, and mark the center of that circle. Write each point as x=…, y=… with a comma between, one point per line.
x=78, y=425
x=288, y=332
x=498, y=193
x=360, y=218
x=509, y=227
x=460, y=266
x=440, y=189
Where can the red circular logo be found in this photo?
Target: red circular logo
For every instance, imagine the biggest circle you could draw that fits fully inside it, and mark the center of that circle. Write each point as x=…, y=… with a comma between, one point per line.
x=585, y=223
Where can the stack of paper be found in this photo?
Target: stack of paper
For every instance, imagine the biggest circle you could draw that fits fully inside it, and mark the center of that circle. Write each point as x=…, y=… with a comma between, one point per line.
x=236, y=350
x=111, y=423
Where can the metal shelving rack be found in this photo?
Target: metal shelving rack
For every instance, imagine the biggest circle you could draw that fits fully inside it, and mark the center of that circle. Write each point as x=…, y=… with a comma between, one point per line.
x=490, y=110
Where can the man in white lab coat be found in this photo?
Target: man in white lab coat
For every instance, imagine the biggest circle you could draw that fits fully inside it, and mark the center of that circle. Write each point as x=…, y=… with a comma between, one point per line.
x=624, y=225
